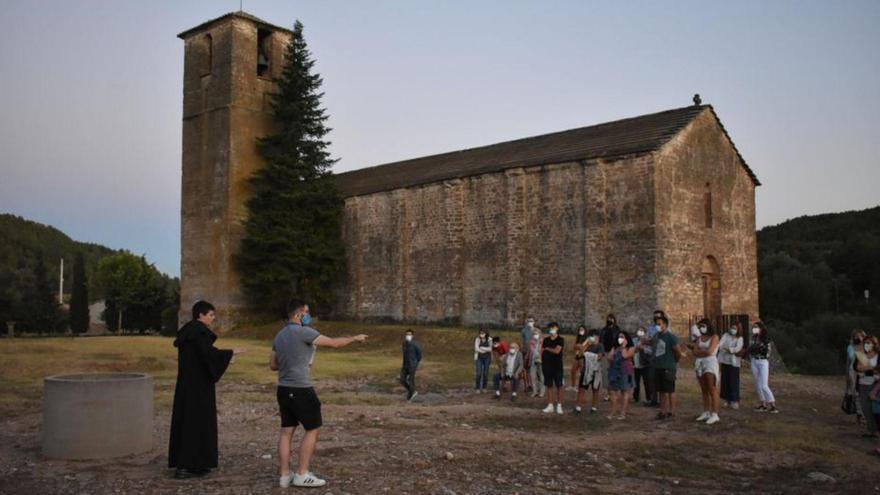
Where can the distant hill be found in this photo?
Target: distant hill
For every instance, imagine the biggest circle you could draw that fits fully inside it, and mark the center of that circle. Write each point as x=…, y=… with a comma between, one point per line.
x=813, y=272
x=21, y=240
x=814, y=237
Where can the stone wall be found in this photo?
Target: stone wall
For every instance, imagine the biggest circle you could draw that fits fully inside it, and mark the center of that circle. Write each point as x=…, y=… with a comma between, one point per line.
x=699, y=155
x=568, y=242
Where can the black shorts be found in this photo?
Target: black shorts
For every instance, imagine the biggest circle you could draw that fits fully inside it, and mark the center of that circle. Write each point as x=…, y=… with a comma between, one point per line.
x=664, y=380
x=553, y=375
x=299, y=406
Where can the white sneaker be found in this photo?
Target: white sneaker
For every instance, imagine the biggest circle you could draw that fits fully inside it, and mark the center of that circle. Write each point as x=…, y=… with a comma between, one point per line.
x=548, y=409
x=577, y=408
x=308, y=480
x=558, y=408
x=713, y=419
x=284, y=481
x=703, y=417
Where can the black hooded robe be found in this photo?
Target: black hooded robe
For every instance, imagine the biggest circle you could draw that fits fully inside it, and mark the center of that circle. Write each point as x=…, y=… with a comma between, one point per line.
x=193, y=444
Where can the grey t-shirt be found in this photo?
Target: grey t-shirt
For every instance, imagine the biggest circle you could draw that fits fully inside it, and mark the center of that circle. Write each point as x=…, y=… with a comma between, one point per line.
x=293, y=352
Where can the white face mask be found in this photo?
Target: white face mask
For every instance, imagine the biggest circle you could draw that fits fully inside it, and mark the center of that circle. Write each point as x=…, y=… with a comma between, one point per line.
x=408, y=338
x=582, y=332
x=703, y=330
x=732, y=331
x=756, y=331
x=514, y=351
x=640, y=333
x=621, y=341
x=869, y=347
x=537, y=336
x=553, y=332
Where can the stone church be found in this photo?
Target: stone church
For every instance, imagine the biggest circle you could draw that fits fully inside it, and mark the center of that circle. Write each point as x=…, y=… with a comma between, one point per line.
x=655, y=211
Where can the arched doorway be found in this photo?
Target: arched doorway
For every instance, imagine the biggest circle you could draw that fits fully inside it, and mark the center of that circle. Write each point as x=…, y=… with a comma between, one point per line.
x=711, y=288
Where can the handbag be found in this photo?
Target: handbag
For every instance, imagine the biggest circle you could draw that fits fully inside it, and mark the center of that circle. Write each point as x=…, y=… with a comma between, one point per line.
x=848, y=404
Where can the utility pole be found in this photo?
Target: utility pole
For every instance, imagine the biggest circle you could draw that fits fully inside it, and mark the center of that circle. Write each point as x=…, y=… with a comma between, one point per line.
x=61, y=284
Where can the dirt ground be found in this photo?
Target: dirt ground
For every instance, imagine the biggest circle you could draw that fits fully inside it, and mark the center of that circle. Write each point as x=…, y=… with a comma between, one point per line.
x=456, y=442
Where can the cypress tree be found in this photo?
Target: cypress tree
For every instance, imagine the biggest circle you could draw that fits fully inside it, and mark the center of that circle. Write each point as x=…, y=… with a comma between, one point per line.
x=41, y=306
x=79, y=297
x=292, y=236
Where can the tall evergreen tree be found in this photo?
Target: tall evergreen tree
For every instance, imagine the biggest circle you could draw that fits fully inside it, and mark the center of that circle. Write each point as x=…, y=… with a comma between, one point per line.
x=79, y=296
x=41, y=313
x=292, y=237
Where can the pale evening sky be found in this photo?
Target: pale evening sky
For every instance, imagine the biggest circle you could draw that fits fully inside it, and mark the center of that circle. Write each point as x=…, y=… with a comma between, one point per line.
x=91, y=93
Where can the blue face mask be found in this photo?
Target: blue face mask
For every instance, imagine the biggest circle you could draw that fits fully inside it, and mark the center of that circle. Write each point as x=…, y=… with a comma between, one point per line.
x=306, y=319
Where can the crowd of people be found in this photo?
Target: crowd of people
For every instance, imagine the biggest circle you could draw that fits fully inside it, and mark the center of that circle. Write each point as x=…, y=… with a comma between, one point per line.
x=625, y=367
x=611, y=363
x=862, y=396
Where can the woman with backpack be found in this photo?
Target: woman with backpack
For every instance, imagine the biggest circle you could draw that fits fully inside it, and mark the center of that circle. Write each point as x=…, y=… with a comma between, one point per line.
x=759, y=354
x=730, y=353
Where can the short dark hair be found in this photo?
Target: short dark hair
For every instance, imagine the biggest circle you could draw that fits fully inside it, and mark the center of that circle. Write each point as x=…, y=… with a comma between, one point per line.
x=409, y=331
x=553, y=324
x=201, y=308
x=659, y=311
x=294, y=305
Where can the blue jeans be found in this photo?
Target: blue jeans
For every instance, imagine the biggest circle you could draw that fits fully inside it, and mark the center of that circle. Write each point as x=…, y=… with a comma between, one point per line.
x=482, y=364
x=514, y=381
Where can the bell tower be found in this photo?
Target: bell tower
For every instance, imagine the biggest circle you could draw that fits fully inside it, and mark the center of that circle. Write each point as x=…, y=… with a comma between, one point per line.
x=229, y=63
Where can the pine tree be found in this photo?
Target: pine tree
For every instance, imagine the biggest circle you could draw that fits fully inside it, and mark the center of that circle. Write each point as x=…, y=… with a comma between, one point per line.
x=79, y=297
x=292, y=237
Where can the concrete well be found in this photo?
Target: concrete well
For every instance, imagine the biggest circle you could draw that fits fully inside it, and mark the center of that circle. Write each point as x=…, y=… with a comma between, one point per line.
x=97, y=415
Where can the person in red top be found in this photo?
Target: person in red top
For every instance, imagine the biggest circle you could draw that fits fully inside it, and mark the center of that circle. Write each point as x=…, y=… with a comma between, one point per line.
x=499, y=347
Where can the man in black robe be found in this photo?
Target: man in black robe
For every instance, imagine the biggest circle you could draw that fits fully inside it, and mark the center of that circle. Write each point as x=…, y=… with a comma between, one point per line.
x=192, y=449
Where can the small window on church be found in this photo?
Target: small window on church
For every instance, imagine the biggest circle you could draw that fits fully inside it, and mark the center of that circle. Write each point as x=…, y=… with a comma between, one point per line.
x=707, y=206
x=263, y=52
x=208, y=65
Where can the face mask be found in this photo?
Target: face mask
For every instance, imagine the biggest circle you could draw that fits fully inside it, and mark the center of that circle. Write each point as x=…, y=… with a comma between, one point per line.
x=592, y=340
x=582, y=332
x=514, y=351
x=868, y=347
x=756, y=331
x=408, y=338
x=482, y=335
x=640, y=333
x=553, y=332
x=621, y=341
x=703, y=330
x=306, y=319
x=537, y=336
x=732, y=331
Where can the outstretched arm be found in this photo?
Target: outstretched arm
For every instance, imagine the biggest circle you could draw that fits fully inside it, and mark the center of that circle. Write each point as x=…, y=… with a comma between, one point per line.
x=325, y=341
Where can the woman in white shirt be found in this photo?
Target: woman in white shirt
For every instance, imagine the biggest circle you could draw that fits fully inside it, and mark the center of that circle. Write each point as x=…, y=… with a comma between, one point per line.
x=731, y=345
x=866, y=363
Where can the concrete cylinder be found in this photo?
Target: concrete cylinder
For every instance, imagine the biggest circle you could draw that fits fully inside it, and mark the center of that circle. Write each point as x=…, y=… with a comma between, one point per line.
x=97, y=415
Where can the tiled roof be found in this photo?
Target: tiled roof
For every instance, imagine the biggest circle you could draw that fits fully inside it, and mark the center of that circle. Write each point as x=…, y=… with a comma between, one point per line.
x=610, y=140
x=240, y=14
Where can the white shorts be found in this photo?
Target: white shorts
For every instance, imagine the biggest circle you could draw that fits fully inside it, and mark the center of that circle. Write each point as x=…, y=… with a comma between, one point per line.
x=705, y=365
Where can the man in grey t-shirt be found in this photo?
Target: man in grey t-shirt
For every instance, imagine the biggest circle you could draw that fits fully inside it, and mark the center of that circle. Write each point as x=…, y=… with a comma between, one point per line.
x=292, y=352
